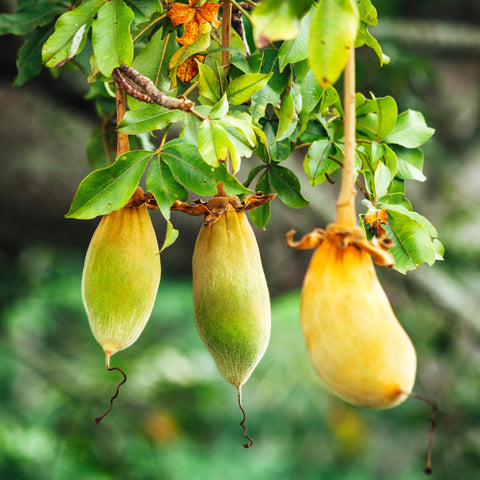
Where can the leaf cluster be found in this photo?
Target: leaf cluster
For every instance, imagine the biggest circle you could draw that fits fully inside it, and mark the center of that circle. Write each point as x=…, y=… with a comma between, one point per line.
x=275, y=98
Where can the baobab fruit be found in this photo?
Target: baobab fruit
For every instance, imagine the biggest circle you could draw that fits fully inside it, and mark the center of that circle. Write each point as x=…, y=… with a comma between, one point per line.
x=231, y=303
x=354, y=340
x=121, y=277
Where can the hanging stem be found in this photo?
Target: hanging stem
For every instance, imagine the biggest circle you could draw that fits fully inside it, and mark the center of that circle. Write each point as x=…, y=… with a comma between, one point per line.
x=428, y=465
x=110, y=369
x=123, y=144
x=346, y=200
x=226, y=30
x=242, y=423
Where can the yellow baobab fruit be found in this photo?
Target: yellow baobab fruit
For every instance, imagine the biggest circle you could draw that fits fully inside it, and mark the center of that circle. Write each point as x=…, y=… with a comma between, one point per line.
x=354, y=340
x=121, y=277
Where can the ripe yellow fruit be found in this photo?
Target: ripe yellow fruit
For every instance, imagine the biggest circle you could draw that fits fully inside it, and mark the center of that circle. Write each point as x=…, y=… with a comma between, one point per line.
x=121, y=277
x=354, y=340
x=230, y=295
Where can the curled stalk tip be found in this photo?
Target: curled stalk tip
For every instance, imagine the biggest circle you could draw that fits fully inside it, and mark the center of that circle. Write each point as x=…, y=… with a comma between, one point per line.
x=100, y=418
x=242, y=423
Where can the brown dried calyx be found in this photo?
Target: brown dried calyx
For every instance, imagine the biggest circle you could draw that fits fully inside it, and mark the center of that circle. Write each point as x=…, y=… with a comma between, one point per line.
x=216, y=206
x=343, y=237
x=140, y=198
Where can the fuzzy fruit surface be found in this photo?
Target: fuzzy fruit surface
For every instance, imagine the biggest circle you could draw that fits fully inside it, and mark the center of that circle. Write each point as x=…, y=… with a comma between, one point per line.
x=354, y=340
x=230, y=296
x=121, y=277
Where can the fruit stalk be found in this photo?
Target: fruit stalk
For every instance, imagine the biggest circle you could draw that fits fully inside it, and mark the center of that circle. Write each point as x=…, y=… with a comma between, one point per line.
x=346, y=200
x=123, y=144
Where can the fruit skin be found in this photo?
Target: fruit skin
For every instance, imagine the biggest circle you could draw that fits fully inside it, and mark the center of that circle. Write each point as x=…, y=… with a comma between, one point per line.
x=121, y=277
x=354, y=340
x=230, y=295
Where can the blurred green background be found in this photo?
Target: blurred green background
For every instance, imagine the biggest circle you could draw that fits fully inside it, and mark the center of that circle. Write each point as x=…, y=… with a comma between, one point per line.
x=176, y=418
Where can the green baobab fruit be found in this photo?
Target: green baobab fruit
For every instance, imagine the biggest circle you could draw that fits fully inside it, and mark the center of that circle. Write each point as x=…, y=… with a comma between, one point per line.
x=231, y=302
x=230, y=296
x=121, y=277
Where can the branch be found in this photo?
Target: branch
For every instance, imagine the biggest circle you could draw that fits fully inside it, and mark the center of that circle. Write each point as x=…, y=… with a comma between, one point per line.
x=142, y=88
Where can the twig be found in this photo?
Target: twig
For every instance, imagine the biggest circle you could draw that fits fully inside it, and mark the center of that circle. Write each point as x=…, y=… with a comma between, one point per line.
x=142, y=88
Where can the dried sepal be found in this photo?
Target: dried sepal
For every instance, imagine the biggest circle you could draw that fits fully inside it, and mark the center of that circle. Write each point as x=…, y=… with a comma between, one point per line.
x=344, y=237
x=215, y=207
x=308, y=241
x=140, y=198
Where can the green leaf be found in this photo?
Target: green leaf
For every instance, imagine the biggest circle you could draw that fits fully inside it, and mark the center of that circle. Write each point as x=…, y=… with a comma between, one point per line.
x=271, y=92
x=261, y=215
x=111, y=39
x=252, y=174
x=170, y=236
x=193, y=173
x=287, y=186
x=413, y=244
x=410, y=163
x=317, y=163
x=70, y=33
x=296, y=50
x=149, y=118
x=162, y=183
x=37, y=14
x=242, y=88
x=332, y=34
x=277, y=20
x=410, y=131
x=439, y=249
x=311, y=94
x=29, y=59
x=110, y=188
x=147, y=13
x=376, y=118
x=209, y=85
x=219, y=110
x=287, y=114
x=364, y=37
x=382, y=179
x=153, y=60
x=212, y=142
x=242, y=125
x=430, y=229
x=368, y=13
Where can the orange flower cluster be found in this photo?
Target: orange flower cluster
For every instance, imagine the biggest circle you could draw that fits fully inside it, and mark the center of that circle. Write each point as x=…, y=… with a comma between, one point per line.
x=192, y=17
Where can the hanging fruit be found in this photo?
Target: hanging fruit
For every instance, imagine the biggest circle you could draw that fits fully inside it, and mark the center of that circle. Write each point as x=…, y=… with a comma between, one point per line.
x=121, y=276
x=231, y=302
x=354, y=340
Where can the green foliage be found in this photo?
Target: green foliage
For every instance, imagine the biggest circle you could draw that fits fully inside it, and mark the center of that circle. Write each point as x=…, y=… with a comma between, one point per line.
x=270, y=104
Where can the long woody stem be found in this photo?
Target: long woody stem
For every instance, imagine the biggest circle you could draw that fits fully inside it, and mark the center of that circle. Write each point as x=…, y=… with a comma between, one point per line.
x=346, y=200
x=123, y=144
